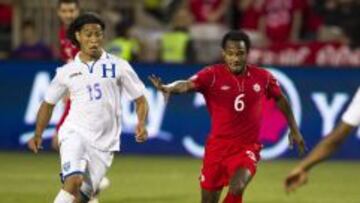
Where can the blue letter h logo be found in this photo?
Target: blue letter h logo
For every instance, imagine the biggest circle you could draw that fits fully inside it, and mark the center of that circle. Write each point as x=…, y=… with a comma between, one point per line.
x=105, y=70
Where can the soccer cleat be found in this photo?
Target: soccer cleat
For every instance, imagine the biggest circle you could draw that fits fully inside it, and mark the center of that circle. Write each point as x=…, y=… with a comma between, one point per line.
x=94, y=200
x=104, y=183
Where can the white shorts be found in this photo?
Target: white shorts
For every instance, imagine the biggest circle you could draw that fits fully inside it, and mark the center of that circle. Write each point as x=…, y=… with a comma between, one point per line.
x=78, y=156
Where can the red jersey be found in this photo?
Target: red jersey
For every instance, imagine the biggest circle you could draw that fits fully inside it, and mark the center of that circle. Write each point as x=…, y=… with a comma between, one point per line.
x=235, y=101
x=202, y=8
x=251, y=16
x=6, y=13
x=67, y=49
x=279, y=17
x=68, y=52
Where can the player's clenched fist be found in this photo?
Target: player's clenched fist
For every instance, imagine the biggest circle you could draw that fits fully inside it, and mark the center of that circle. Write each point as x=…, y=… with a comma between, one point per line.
x=141, y=134
x=296, y=137
x=295, y=179
x=34, y=144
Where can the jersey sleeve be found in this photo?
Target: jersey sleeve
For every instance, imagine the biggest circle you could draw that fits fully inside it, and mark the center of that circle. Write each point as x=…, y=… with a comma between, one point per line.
x=203, y=79
x=273, y=89
x=56, y=90
x=131, y=83
x=352, y=113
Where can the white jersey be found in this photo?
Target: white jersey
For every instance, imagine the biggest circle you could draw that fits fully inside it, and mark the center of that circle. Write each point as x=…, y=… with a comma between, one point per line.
x=95, y=90
x=352, y=114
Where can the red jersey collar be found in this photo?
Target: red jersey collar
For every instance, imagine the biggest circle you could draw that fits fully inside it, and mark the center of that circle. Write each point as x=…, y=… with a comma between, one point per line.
x=245, y=74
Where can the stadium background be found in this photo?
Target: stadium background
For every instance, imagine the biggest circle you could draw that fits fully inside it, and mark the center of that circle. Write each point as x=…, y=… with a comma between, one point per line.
x=318, y=73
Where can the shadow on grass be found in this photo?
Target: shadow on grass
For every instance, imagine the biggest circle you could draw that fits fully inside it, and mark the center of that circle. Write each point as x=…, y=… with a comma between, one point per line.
x=153, y=199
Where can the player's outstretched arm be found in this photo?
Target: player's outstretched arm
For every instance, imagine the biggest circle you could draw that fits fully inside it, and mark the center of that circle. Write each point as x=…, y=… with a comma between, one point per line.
x=42, y=121
x=142, y=109
x=177, y=87
x=295, y=135
x=298, y=176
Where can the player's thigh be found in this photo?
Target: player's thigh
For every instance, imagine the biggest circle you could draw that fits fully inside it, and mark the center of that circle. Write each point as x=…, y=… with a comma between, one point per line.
x=72, y=156
x=241, y=168
x=212, y=174
x=98, y=164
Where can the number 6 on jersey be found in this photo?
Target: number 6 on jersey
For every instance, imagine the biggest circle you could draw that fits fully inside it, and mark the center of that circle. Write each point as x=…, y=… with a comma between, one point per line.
x=239, y=104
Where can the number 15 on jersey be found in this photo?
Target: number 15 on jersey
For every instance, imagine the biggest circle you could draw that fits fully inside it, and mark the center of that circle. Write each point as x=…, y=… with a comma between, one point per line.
x=94, y=91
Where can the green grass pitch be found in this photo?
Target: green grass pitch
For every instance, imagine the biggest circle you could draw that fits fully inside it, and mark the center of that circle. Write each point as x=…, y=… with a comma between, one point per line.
x=28, y=178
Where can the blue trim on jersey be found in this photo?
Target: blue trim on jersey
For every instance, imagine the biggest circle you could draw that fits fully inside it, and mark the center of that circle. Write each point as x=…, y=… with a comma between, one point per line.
x=91, y=67
x=70, y=174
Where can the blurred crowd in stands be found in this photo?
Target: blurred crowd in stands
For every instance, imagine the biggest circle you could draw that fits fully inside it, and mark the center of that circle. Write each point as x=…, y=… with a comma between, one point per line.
x=283, y=32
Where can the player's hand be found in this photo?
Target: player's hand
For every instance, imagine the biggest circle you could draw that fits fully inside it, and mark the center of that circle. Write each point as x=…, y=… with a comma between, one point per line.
x=34, y=144
x=159, y=85
x=141, y=134
x=296, y=178
x=296, y=137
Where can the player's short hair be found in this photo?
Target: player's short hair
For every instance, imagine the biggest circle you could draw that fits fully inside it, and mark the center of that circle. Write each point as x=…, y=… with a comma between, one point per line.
x=28, y=23
x=79, y=22
x=235, y=35
x=67, y=2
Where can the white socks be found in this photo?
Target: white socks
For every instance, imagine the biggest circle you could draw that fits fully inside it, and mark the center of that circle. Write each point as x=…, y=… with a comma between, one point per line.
x=64, y=197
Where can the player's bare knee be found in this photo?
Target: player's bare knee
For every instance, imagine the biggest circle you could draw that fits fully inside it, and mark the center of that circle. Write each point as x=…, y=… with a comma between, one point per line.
x=210, y=197
x=237, y=188
x=73, y=183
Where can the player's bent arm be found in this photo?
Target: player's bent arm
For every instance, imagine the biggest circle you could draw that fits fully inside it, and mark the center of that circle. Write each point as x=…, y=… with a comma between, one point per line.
x=43, y=117
x=327, y=146
x=180, y=86
x=142, y=109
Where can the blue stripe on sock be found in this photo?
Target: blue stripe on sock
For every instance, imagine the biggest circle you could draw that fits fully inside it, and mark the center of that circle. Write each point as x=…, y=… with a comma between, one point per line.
x=85, y=198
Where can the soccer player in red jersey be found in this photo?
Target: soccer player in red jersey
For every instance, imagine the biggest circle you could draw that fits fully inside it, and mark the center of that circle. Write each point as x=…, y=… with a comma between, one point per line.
x=234, y=93
x=68, y=11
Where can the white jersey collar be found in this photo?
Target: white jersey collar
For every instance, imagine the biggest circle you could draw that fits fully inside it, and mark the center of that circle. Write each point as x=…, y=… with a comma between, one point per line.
x=104, y=55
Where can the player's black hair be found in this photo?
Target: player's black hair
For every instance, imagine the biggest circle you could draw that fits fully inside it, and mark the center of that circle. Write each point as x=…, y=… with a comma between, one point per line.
x=67, y=2
x=79, y=22
x=28, y=23
x=235, y=35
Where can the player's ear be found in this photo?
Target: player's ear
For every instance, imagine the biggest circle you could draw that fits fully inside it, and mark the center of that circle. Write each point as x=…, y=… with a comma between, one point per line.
x=223, y=52
x=77, y=36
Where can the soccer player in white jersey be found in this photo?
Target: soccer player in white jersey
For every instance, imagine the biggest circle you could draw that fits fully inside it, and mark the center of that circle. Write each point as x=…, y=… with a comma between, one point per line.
x=90, y=134
x=350, y=120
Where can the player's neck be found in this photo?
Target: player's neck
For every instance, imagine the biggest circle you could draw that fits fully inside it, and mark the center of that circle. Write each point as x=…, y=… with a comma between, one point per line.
x=238, y=72
x=88, y=58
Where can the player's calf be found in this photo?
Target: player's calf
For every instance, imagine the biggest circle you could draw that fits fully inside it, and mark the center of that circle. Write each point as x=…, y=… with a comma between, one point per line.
x=72, y=185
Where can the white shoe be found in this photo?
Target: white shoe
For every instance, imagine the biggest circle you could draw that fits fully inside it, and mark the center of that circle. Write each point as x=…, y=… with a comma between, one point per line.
x=94, y=200
x=104, y=183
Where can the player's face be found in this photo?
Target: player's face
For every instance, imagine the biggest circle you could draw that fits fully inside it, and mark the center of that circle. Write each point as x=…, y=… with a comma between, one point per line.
x=68, y=12
x=91, y=38
x=235, y=55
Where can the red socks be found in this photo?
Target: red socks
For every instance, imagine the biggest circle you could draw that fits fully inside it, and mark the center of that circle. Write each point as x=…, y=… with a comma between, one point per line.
x=230, y=198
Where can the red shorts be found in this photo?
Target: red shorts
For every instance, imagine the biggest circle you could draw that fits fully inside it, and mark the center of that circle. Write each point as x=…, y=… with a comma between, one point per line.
x=223, y=159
